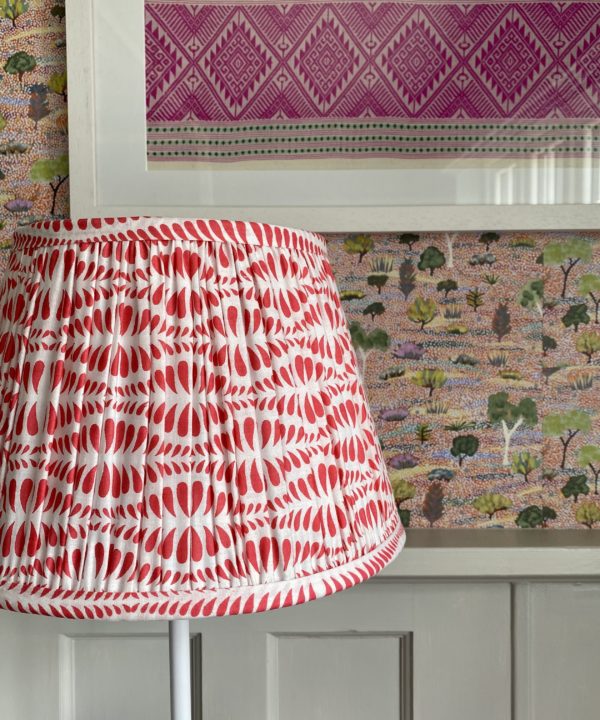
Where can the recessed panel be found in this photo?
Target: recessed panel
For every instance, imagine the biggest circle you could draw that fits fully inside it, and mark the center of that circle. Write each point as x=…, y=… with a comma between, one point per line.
x=336, y=677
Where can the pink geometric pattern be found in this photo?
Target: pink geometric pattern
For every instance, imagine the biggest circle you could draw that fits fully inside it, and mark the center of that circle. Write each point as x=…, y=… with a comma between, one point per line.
x=204, y=446
x=227, y=66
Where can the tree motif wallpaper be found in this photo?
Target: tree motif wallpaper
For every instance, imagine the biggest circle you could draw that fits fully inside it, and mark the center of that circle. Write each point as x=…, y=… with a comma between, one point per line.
x=480, y=351
x=33, y=113
x=481, y=358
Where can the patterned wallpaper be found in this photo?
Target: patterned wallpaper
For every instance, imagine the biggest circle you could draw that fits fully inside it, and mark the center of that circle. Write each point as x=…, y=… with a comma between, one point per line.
x=480, y=351
x=33, y=113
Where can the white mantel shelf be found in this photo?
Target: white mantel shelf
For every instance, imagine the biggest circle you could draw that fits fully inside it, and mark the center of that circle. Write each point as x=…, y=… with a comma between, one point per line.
x=497, y=554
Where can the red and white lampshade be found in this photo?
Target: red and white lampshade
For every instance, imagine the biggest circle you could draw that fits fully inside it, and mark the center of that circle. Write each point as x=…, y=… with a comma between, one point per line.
x=183, y=432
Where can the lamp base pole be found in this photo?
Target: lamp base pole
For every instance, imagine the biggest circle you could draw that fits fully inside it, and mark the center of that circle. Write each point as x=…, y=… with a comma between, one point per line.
x=179, y=665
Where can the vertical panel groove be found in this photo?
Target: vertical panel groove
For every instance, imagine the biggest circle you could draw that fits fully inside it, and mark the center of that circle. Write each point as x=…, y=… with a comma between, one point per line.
x=196, y=675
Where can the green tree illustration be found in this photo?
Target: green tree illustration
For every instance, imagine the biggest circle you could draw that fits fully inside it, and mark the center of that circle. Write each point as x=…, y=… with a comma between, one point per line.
x=447, y=286
x=588, y=513
x=365, y=343
x=475, y=299
x=58, y=84
x=378, y=280
x=487, y=238
x=374, y=309
x=430, y=378
x=20, y=63
x=54, y=172
x=575, y=316
x=524, y=463
x=532, y=296
x=13, y=9
x=548, y=343
x=565, y=426
x=567, y=255
x=422, y=311
x=431, y=259
x=491, y=503
x=588, y=343
x=535, y=516
x=510, y=417
x=501, y=321
x=359, y=245
x=589, y=456
x=576, y=485
x=408, y=276
x=464, y=446
x=590, y=285
x=409, y=239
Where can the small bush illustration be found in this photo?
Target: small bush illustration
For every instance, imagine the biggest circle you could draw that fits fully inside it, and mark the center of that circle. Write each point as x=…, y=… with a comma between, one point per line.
x=588, y=514
x=524, y=463
x=404, y=461
x=580, y=379
x=424, y=433
x=438, y=474
x=447, y=286
x=409, y=239
x=491, y=503
x=437, y=407
x=394, y=415
x=408, y=351
x=358, y=245
x=422, y=311
x=383, y=264
x=535, y=516
x=430, y=378
x=393, y=372
x=497, y=358
x=378, y=281
x=577, y=485
x=501, y=321
x=402, y=489
x=374, y=310
x=588, y=344
x=475, y=299
x=408, y=276
x=575, y=316
x=352, y=294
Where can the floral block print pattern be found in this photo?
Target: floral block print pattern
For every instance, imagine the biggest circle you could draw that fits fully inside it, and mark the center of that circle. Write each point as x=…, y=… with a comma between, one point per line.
x=481, y=357
x=204, y=447
x=248, y=79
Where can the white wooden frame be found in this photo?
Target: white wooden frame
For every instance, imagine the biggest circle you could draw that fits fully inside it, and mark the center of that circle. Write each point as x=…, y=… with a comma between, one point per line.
x=105, y=42
x=428, y=554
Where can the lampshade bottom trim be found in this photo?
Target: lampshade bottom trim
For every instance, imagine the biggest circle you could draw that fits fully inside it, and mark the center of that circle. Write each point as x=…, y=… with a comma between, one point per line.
x=160, y=605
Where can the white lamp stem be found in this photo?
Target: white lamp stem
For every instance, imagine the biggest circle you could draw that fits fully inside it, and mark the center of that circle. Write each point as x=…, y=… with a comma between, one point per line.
x=179, y=663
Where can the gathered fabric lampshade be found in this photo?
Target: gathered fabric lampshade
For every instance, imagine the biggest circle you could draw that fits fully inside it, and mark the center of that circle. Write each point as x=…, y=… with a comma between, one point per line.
x=183, y=431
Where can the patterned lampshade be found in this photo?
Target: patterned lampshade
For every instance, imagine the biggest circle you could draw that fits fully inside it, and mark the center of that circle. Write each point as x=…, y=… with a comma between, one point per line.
x=183, y=432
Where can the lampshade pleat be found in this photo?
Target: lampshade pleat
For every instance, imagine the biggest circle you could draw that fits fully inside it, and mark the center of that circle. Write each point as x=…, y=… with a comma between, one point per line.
x=183, y=431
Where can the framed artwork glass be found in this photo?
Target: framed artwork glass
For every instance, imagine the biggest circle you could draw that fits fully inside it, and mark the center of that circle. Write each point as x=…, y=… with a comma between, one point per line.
x=337, y=116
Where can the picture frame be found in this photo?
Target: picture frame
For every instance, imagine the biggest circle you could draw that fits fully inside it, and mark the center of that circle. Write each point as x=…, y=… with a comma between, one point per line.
x=110, y=175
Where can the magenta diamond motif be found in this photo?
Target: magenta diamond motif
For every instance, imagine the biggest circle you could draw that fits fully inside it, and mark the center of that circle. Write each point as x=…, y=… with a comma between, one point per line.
x=417, y=61
x=586, y=59
x=237, y=63
x=510, y=61
x=326, y=62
